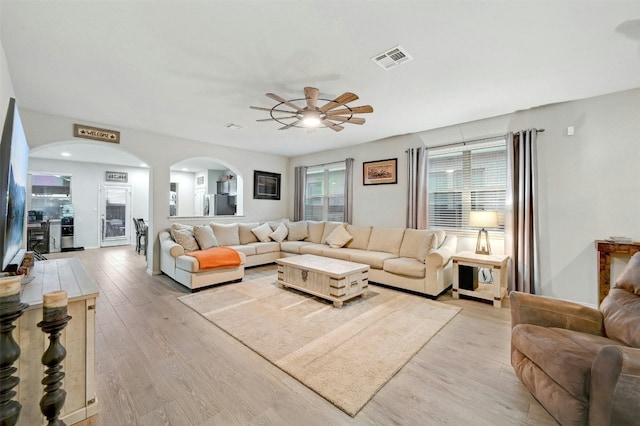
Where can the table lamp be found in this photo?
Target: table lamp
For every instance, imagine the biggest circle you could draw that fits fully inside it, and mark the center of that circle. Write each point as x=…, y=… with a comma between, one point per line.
x=483, y=219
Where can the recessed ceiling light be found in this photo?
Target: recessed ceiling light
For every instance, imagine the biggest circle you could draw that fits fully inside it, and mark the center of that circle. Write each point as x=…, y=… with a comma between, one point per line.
x=184, y=169
x=143, y=165
x=66, y=154
x=449, y=171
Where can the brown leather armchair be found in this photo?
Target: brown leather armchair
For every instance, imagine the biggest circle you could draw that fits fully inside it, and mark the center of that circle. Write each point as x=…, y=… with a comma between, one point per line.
x=582, y=364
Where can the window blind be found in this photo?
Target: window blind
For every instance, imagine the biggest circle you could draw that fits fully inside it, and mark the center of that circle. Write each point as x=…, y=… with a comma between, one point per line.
x=466, y=177
x=324, y=194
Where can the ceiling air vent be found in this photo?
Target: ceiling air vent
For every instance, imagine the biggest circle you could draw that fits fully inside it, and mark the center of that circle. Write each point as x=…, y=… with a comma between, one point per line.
x=392, y=58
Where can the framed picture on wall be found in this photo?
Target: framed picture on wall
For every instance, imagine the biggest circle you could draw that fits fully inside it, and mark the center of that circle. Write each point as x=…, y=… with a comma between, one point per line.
x=380, y=172
x=266, y=185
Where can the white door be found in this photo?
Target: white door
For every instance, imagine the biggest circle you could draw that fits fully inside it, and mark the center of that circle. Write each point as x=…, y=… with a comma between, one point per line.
x=115, y=215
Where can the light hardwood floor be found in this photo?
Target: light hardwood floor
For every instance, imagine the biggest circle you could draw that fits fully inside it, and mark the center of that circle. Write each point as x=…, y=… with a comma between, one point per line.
x=160, y=363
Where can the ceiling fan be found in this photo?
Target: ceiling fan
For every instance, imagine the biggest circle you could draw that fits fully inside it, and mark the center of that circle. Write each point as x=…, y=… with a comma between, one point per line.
x=308, y=115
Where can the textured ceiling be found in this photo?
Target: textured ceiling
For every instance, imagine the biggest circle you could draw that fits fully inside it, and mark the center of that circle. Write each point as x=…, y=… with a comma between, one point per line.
x=190, y=68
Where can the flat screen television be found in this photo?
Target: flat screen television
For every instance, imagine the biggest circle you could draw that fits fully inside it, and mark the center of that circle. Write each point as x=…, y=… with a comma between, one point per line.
x=14, y=159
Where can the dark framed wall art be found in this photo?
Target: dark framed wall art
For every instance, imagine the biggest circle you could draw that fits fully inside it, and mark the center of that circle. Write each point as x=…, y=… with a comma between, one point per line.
x=380, y=172
x=266, y=185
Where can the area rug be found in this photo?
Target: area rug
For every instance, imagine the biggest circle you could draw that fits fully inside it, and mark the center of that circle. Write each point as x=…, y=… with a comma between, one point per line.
x=345, y=355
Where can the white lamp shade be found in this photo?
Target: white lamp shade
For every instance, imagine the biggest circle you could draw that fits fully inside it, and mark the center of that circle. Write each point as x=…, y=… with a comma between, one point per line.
x=483, y=218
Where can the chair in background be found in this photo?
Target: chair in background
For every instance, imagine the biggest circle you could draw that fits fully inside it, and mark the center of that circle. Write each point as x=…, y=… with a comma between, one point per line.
x=141, y=235
x=39, y=241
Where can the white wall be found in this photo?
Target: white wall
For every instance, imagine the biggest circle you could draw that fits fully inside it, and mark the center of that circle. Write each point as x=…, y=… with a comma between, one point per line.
x=85, y=181
x=186, y=192
x=588, y=183
x=6, y=85
x=160, y=152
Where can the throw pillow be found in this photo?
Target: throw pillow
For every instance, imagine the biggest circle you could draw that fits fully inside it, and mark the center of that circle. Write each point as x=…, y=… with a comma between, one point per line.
x=338, y=237
x=280, y=233
x=226, y=233
x=262, y=232
x=177, y=226
x=185, y=238
x=205, y=237
x=297, y=231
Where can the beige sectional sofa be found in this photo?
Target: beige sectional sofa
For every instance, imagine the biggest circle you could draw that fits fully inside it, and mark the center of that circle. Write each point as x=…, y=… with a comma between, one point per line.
x=410, y=259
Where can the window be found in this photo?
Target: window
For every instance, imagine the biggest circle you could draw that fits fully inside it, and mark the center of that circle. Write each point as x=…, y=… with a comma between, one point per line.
x=465, y=178
x=324, y=193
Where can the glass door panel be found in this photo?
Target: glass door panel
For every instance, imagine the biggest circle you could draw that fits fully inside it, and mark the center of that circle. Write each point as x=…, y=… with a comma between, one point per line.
x=115, y=224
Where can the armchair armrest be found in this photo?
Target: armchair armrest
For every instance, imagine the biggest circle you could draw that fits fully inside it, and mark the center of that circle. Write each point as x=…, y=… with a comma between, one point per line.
x=615, y=386
x=170, y=246
x=549, y=312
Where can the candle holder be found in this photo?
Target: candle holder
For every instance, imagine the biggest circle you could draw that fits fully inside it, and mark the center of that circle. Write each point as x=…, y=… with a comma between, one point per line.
x=55, y=319
x=10, y=310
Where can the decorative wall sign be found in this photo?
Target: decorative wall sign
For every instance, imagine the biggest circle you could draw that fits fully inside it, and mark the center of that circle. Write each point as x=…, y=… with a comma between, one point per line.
x=380, y=172
x=121, y=177
x=200, y=180
x=266, y=185
x=95, y=133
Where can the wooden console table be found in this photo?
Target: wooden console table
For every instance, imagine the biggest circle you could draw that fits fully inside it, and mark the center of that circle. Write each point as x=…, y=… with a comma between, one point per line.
x=78, y=338
x=605, y=249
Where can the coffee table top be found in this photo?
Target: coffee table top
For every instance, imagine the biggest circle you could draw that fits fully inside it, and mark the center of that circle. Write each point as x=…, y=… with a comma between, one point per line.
x=333, y=267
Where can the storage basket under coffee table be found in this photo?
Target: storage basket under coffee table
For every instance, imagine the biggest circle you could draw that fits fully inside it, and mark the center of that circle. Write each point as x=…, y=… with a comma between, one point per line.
x=331, y=279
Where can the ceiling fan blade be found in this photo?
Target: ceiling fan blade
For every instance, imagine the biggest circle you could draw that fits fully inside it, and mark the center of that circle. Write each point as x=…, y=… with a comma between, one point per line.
x=355, y=110
x=345, y=98
x=289, y=125
x=353, y=120
x=311, y=94
x=278, y=118
x=332, y=126
x=271, y=109
x=284, y=101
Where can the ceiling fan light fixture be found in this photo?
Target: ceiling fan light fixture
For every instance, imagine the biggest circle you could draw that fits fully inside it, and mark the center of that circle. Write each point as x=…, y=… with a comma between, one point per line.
x=311, y=118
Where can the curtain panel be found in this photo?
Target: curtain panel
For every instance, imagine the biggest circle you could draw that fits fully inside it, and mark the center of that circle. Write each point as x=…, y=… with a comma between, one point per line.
x=521, y=222
x=299, y=185
x=348, y=190
x=418, y=195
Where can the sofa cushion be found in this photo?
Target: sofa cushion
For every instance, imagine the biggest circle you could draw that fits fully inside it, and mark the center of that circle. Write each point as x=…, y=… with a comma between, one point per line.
x=375, y=259
x=293, y=246
x=629, y=279
x=338, y=237
x=186, y=239
x=427, y=246
x=360, y=236
x=413, y=241
x=226, y=233
x=407, y=266
x=245, y=234
x=564, y=355
x=204, y=236
x=280, y=233
x=268, y=247
x=335, y=253
x=386, y=240
x=262, y=232
x=247, y=249
x=621, y=314
x=315, y=230
x=275, y=223
x=297, y=231
x=328, y=229
x=313, y=249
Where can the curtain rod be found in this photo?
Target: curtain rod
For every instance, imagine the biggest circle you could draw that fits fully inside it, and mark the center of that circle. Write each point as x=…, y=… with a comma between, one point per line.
x=473, y=140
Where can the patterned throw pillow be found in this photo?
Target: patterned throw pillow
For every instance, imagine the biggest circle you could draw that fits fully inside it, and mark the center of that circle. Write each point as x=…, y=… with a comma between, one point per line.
x=185, y=238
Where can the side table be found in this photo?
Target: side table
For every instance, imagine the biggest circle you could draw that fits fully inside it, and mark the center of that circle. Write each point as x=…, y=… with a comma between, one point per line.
x=494, y=291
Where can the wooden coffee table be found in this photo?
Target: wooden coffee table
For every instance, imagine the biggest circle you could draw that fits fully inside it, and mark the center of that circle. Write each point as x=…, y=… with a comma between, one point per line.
x=331, y=279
